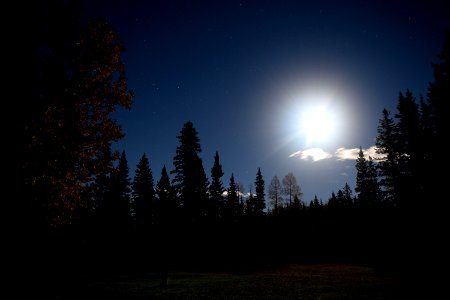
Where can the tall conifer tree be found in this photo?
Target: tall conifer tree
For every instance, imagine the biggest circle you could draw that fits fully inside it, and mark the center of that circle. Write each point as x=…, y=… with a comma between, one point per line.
x=232, y=204
x=143, y=194
x=190, y=182
x=409, y=147
x=216, y=188
x=387, y=145
x=168, y=209
x=260, y=197
x=117, y=202
x=367, y=185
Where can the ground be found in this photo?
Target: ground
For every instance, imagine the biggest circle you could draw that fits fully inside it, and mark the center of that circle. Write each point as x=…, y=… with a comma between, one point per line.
x=318, y=281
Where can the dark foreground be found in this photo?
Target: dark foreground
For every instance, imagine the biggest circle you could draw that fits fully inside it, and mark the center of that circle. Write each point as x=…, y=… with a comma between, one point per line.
x=318, y=281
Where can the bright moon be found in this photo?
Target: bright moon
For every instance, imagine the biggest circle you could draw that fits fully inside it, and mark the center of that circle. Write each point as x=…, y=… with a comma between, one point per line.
x=316, y=116
x=317, y=124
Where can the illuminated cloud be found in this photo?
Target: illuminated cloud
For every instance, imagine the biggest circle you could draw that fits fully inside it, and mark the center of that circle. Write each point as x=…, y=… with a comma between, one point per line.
x=372, y=152
x=314, y=154
x=352, y=153
x=343, y=154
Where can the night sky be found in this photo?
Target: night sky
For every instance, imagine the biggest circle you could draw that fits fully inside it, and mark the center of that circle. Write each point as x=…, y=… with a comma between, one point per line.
x=249, y=73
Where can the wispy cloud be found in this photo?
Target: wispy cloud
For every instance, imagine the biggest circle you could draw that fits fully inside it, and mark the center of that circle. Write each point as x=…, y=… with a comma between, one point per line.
x=352, y=153
x=343, y=153
x=314, y=154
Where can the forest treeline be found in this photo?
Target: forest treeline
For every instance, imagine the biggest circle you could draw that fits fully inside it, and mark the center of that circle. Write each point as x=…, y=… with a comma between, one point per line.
x=75, y=203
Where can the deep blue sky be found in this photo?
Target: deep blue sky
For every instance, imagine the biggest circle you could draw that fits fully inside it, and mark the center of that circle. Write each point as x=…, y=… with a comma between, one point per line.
x=244, y=71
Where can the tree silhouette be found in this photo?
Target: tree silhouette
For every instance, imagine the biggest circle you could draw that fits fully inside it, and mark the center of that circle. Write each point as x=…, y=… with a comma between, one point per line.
x=240, y=193
x=347, y=195
x=427, y=147
x=409, y=135
x=386, y=143
x=190, y=182
x=232, y=205
x=435, y=182
x=367, y=186
x=333, y=202
x=78, y=81
x=340, y=199
x=400, y=142
x=249, y=205
x=290, y=187
x=315, y=204
x=102, y=183
x=344, y=198
x=168, y=214
x=439, y=93
x=296, y=205
x=117, y=202
x=216, y=188
x=143, y=195
x=438, y=111
x=274, y=192
x=166, y=197
x=260, y=200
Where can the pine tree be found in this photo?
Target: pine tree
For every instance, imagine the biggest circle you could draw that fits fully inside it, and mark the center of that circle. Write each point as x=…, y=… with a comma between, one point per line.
x=367, y=185
x=427, y=141
x=190, y=182
x=438, y=109
x=168, y=217
x=347, y=195
x=333, y=202
x=361, y=173
x=250, y=205
x=386, y=143
x=340, y=203
x=143, y=194
x=373, y=183
x=296, y=205
x=216, y=188
x=232, y=204
x=344, y=198
x=315, y=204
x=439, y=93
x=408, y=125
x=260, y=201
x=409, y=147
x=166, y=198
x=117, y=202
x=240, y=192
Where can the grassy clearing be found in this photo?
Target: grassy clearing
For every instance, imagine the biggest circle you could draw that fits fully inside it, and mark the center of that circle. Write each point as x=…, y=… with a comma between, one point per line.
x=323, y=281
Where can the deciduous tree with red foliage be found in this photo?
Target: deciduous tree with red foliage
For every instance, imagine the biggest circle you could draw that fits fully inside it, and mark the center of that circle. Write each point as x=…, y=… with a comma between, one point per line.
x=78, y=81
